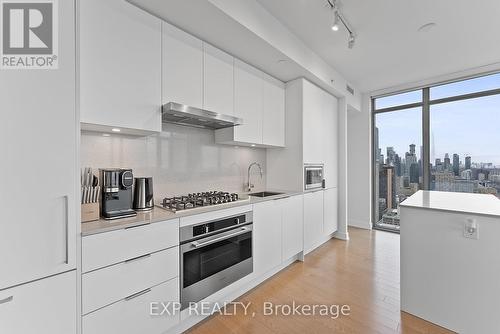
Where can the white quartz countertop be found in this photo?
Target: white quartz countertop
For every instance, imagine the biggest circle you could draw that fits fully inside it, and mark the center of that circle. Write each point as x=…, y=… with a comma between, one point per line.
x=481, y=204
x=159, y=214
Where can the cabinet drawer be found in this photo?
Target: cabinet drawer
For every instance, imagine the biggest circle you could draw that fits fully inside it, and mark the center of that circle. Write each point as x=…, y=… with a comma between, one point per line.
x=132, y=316
x=108, y=285
x=104, y=249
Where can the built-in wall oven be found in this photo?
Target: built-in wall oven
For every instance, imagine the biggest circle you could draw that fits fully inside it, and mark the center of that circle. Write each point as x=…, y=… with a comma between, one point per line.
x=213, y=255
x=313, y=176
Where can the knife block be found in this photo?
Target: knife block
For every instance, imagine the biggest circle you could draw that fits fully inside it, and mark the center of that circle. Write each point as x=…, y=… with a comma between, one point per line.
x=90, y=212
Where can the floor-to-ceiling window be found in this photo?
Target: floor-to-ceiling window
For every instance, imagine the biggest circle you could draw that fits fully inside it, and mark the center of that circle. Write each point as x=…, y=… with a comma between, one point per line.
x=444, y=137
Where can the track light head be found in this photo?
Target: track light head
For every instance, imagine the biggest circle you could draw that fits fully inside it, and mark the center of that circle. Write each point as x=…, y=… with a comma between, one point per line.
x=351, y=40
x=335, y=26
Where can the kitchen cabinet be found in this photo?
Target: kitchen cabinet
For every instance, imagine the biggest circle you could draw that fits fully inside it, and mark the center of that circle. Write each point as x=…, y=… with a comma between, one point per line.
x=273, y=113
x=39, y=197
x=120, y=67
x=330, y=209
x=313, y=135
x=313, y=219
x=267, y=218
x=182, y=70
x=292, y=226
x=132, y=314
x=43, y=306
x=329, y=131
x=218, y=80
x=259, y=101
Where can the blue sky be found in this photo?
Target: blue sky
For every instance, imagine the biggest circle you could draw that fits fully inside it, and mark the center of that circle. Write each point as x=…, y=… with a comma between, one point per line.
x=468, y=127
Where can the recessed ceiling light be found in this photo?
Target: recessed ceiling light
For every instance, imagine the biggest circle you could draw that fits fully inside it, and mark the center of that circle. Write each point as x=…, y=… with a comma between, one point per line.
x=115, y=130
x=253, y=145
x=427, y=27
x=106, y=135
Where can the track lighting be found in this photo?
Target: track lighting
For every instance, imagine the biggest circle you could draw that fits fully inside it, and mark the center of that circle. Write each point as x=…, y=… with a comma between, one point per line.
x=338, y=19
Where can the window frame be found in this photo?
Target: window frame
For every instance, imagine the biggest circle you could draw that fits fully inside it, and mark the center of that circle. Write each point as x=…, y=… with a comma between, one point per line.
x=425, y=106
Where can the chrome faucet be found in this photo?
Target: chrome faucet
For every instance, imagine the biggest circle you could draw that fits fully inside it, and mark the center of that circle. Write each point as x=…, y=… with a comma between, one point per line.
x=250, y=185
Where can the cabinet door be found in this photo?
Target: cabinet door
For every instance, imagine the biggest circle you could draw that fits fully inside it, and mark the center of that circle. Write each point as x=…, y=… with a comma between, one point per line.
x=218, y=80
x=273, y=112
x=293, y=226
x=43, y=306
x=267, y=236
x=330, y=139
x=330, y=211
x=313, y=105
x=137, y=313
x=313, y=219
x=182, y=73
x=38, y=132
x=248, y=103
x=120, y=66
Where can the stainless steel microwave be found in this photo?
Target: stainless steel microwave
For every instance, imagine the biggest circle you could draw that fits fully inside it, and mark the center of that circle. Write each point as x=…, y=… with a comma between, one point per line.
x=313, y=176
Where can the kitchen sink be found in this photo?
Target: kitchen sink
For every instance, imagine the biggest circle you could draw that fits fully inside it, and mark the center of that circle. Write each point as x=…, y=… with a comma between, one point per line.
x=264, y=194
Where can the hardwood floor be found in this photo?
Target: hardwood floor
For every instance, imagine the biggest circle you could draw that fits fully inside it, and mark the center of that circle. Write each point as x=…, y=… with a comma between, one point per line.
x=362, y=273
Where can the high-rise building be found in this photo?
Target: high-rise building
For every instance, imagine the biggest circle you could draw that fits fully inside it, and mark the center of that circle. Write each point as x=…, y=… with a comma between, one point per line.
x=447, y=163
x=387, y=186
x=412, y=149
x=456, y=164
x=414, y=172
x=468, y=162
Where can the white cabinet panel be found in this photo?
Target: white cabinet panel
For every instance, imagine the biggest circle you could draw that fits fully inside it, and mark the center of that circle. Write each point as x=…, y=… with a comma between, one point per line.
x=330, y=139
x=273, y=122
x=120, y=66
x=330, y=211
x=248, y=103
x=44, y=306
x=313, y=219
x=267, y=236
x=110, y=284
x=293, y=226
x=38, y=132
x=182, y=72
x=132, y=315
x=313, y=136
x=218, y=80
x=128, y=243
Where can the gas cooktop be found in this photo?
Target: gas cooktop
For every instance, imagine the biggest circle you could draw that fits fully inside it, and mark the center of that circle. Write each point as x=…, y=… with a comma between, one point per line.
x=197, y=200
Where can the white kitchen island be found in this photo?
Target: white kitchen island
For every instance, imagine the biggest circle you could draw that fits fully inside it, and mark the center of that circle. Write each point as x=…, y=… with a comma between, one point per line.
x=450, y=260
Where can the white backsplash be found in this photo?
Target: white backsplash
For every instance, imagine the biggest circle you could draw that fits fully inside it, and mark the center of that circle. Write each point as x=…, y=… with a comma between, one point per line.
x=180, y=160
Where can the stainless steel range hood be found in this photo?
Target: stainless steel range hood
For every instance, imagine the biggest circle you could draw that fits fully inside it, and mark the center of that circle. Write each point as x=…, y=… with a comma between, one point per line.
x=189, y=116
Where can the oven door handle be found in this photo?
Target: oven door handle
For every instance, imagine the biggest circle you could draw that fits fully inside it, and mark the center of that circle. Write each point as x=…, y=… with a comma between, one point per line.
x=197, y=244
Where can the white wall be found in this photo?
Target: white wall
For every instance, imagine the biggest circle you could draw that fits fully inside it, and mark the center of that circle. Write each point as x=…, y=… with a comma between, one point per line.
x=180, y=159
x=359, y=165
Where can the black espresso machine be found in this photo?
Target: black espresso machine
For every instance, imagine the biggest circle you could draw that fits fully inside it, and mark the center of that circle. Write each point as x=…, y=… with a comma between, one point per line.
x=116, y=199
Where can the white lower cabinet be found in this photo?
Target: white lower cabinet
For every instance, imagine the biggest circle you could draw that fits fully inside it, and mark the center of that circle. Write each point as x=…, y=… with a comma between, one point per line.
x=132, y=315
x=44, y=306
x=267, y=236
x=293, y=226
x=313, y=219
x=330, y=206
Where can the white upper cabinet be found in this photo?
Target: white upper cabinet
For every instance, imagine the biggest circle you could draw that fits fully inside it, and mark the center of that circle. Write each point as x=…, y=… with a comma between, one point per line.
x=260, y=101
x=330, y=139
x=39, y=197
x=330, y=211
x=273, y=113
x=248, y=103
x=218, y=80
x=120, y=66
x=182, y=73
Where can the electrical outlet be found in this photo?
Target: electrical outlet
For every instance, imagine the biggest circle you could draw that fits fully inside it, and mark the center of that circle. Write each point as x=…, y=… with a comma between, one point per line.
x=470, y=229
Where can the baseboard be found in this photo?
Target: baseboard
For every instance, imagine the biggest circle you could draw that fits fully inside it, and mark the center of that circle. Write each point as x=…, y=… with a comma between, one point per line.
x=341, y=235
x=364, y=224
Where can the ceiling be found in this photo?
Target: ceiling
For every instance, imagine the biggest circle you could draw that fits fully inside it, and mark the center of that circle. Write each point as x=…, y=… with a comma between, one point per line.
x=389, y=50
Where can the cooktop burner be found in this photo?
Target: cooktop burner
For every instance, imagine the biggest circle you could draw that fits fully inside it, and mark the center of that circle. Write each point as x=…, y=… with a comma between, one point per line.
x=196, y=200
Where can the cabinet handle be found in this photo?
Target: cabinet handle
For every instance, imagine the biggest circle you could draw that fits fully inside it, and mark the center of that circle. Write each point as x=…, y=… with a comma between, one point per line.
x=137, y=258
x=135, y=226
x=66, y=255
x=6, y=300
x=135, y=295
